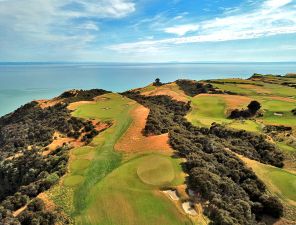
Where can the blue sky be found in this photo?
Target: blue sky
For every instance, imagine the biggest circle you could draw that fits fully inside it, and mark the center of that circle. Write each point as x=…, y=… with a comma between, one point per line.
x=147, y=30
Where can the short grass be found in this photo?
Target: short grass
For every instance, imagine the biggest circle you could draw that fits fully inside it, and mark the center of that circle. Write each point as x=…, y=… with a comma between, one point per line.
x=123, y=198
x=207, y=109
x=271, y=107
x=91, y=164
x=235, y=88
x=279, y=181
x=286, y=148
x=156, y=171
x=73, y=180
x=248, y=125
x=98, y=189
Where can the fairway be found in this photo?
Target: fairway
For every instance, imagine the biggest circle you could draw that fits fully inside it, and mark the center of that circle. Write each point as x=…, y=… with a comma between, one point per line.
x=101, y=190
x=89, y=164
x=279, y=181
x=273, y=107
x=123, y=198
x=207, y=109
x=156, y=171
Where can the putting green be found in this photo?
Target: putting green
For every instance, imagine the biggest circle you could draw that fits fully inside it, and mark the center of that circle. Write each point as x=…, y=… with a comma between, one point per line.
x=206, y=110
x=156, y=171
x=121, y=198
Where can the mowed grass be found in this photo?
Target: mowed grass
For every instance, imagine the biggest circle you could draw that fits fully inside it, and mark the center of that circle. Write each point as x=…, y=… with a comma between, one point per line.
x=156, y=171
x=206, y=110
x=264, y=90
x=209, y=109
x=279, y=181
x=100, y=189
x=91, y=164
x=124, y=198
x=272, y=107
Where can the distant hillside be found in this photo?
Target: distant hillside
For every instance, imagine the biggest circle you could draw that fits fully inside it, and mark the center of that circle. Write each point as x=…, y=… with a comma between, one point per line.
x=219, y=151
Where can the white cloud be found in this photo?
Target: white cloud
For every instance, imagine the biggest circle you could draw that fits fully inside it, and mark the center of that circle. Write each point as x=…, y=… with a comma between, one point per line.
x=181, y=30
x=276, y=3
x=269, y=19
x=55, y=23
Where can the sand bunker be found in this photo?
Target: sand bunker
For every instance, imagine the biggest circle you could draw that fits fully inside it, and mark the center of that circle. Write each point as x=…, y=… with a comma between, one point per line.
x=134, y=140
x=189, y=208
x=172, y=194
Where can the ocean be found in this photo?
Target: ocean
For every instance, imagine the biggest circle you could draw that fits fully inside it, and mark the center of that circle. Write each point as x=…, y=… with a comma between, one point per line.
x=24, y=82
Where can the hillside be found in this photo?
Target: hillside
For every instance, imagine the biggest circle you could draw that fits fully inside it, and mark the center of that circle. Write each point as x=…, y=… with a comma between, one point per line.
x=186, y=152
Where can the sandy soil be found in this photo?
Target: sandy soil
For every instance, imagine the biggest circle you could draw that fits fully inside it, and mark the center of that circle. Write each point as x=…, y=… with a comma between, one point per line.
x=74, y=105
x=172, y=194
x=282, y=99
x=169, y=90
x=47, y=103
x=134, y=140
x=187, y=207
x=256, y=88
x=232, y=101
x=49, y=205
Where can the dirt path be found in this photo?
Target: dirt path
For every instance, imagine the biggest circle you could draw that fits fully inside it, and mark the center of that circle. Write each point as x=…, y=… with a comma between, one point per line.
x=134, y=140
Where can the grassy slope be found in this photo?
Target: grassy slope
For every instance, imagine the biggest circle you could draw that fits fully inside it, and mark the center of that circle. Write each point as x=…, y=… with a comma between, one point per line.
x=92, y=194
x=280, y=182
x=209, y=109
x=122, y=197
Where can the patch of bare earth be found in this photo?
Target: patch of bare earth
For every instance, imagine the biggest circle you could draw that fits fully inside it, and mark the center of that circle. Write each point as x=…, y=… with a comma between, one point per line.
x=48, y=103
x=170, y=90
x=258, y=89
x=59, y=139
x=134, y=140
x=75, y=105
x=232, y=101
x=49, y=205
x=282, y=99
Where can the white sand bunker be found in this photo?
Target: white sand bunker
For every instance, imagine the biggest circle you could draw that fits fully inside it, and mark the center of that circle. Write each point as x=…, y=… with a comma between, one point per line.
x=189, y=209
x=172, y=194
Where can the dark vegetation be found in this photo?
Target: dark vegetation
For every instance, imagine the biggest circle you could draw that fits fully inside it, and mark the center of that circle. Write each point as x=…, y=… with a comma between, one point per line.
x=23, y=178
x=294, y=112
x=157, y=82
x=231, y=192
x=252, y=110
x=192, y=88
x=81, y=95
x=275, y=79
x=31, y=125
x=24, y=171
x=276, y=129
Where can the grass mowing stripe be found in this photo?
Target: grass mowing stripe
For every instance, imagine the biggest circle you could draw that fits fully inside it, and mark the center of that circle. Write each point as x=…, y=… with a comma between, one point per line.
x=105, y=161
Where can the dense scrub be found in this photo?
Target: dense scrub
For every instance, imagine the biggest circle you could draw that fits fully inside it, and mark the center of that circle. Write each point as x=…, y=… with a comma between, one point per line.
x=234, y=193
x=253, y=108
x=81, y=95
x=192, y=88
x=24, y=177
x=24, y=171
x=31, y=125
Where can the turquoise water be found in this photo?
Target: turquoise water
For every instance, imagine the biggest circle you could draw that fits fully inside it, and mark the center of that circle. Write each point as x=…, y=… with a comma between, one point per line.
x=23, y=82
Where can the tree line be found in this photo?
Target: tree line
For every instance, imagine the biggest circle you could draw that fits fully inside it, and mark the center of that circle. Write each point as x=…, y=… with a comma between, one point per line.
x=235, y=195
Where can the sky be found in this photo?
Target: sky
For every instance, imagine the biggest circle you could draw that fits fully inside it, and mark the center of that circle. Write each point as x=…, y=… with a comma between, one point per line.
x=148, y=30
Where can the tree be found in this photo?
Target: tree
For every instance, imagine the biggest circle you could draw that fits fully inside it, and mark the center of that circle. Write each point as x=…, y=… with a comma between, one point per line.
x=157, y=82
x=254, y=106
